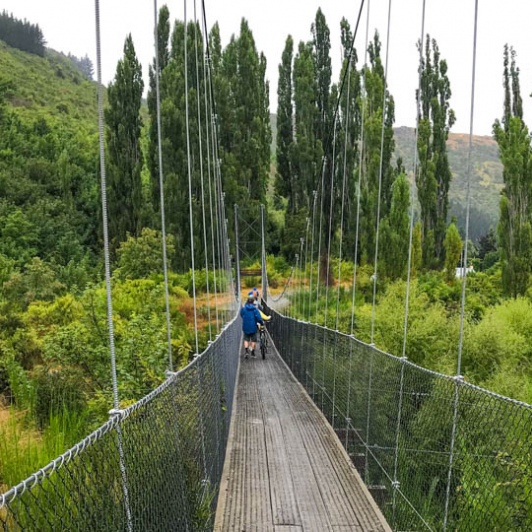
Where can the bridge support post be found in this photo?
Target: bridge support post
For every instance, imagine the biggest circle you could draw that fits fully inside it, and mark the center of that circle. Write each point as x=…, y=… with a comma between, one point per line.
x=237, y=255
x=263, y=258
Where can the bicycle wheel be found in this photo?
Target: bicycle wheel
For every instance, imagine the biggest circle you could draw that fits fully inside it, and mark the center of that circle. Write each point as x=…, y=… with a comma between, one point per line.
x=263, y=345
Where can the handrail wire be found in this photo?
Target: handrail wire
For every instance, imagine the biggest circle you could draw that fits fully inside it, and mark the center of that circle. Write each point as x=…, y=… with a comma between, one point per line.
x=458, y=380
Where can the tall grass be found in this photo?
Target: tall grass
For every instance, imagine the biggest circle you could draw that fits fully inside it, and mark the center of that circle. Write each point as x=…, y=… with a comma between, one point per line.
x=24, y=449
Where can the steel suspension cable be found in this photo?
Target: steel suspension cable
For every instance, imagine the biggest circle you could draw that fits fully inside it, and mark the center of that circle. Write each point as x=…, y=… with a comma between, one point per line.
x=107, y=262
x=328, y=271
x=376, y=258
x=458, y=379
x=190, y=211
x=161, y=187
x=360, y=168
x=319, y=236
x=385, y=92
x=213, y=189
x=357, y=225
x=314, y=201
x=208, y=121
x=304, y=313
x=344, y=179
x=206, y=251
x=396, y=483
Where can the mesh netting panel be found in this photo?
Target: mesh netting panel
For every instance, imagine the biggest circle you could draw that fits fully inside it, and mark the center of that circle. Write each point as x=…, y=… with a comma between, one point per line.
x=396, y=421
x=155, y=466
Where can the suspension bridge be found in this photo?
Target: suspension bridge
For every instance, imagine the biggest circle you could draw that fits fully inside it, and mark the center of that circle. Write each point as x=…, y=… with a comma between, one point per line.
x=328, y=433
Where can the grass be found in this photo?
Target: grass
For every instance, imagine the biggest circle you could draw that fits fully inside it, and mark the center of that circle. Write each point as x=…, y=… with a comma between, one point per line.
x=24, y=449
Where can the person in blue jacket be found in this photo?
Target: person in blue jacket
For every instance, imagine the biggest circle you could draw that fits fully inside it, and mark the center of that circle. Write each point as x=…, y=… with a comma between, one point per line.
x=250, y=317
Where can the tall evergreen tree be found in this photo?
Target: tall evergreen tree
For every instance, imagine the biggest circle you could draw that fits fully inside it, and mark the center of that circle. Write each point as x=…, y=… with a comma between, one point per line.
x=124, y=125
x=307, y=151
x=434, y=175
x=152, y=158
x=376, y=94
x=321, y=48
x=453, y=249
x=515, y=230
x=285, y=127
x=349, y=134
x=396, y=229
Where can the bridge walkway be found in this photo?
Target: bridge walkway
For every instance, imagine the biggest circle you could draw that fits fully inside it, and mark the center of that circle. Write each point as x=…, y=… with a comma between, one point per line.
x=285, y=469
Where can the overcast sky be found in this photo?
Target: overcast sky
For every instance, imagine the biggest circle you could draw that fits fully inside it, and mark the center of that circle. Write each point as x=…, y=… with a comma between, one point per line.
x=68, y=26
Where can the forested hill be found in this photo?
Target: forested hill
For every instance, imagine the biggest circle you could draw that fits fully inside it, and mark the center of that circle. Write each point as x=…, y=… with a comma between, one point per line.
x=50, y=87
x=48, y=168
x=486, y=180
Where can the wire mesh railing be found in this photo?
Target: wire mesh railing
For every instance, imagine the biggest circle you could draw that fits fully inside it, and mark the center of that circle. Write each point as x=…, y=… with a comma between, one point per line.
x=397, y=420
x=156, y=465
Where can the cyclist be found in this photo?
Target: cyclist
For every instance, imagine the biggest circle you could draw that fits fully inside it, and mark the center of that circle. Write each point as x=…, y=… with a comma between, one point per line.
x=250, y=318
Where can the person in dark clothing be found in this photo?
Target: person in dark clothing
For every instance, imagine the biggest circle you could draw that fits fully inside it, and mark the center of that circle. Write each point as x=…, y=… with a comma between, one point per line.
x=250, y=317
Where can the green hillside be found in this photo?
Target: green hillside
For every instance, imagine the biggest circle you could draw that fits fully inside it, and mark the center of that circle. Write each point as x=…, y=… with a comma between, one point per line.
x=486, y=179
x=49, y=87
x=48, y=163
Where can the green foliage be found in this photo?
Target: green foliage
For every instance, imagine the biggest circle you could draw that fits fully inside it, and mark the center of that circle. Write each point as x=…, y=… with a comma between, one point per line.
x=142, y=256
x=396, y=230
x=453, y=250
x=21, y=34
x=124, y=124
x=434, y=176
x=515, y=224
x=285, y=134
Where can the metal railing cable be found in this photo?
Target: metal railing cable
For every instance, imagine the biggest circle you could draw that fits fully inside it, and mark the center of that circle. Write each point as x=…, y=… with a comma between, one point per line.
x=492, y=467
x=81, y=489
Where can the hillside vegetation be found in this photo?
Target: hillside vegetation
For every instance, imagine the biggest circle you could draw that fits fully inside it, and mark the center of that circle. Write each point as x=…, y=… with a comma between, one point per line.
x=486, y=178
x=49, y=87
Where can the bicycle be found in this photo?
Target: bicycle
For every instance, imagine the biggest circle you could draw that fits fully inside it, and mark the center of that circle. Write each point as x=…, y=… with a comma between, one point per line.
x=263, y=341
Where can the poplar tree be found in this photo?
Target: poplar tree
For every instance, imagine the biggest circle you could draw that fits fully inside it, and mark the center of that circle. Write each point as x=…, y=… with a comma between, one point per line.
x=396, y=230
x=349, y=134
x=513, y=138
x=434, y=176
x=307, y=151
x=152, y=157
x=376, y=94
x=285, y=130
x=453, y=249
x=124, y=125
x=321, y=46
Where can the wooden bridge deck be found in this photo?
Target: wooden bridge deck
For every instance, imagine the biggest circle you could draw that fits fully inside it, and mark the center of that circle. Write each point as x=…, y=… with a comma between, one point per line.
x=285, y=469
